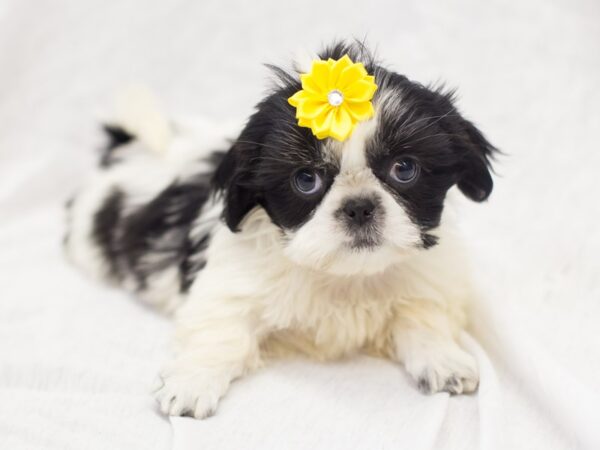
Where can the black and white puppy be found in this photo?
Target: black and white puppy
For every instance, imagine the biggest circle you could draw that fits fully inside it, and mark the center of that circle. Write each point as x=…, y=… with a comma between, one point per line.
x=286, y=242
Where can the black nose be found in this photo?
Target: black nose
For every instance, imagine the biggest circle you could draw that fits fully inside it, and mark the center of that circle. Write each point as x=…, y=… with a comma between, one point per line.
x=359, y=210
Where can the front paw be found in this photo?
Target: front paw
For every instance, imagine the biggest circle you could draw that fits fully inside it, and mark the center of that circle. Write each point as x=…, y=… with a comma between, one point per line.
x=196, y=395
x=444, y=368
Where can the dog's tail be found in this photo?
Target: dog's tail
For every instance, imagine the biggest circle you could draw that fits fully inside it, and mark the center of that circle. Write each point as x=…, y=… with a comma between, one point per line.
x=137, y=116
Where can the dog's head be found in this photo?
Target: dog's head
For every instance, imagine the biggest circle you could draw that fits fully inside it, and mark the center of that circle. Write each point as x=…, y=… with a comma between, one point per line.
x=360, y=205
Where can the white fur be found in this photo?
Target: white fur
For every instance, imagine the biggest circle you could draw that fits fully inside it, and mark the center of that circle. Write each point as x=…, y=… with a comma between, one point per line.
x=251, y=300
x=262, y=294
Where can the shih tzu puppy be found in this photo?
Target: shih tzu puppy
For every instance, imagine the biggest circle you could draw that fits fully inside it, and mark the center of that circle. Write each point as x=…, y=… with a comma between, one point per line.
x=322, y=228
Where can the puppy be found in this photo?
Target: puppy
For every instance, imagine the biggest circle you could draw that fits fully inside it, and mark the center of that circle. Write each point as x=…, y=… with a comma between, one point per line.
x=285, y=242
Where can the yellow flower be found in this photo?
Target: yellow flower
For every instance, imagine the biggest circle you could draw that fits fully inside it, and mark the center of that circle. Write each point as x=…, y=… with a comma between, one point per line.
x=335, y=96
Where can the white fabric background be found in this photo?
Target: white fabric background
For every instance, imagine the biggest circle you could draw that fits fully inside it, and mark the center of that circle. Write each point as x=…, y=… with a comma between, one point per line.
x=77, y=359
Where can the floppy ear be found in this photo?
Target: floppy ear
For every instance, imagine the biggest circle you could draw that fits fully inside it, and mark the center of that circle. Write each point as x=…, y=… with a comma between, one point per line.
x=236, y=174
x=474, y=152
x=235, y=178
x=476, y=180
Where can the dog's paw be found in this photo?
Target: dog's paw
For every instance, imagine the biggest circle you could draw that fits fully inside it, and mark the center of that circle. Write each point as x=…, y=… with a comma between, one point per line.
x=190, y=395
x=444, y=368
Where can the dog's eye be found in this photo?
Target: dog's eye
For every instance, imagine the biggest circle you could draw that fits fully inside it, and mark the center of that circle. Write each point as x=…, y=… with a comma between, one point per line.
x=307, y=181
x=404, y=171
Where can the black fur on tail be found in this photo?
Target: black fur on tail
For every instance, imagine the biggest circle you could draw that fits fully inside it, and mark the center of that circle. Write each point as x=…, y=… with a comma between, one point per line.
x=117, y=137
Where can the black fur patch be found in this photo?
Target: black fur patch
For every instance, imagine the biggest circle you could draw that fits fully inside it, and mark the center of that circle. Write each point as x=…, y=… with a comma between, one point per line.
x=157, y=235
x=106, y=222
x=154, y=236
x=193, y=260
x=117, y=137
x=429, y=240
x=258, y=168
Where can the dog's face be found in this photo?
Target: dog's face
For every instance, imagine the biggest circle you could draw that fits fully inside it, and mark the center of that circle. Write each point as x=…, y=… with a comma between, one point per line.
x=360, y=205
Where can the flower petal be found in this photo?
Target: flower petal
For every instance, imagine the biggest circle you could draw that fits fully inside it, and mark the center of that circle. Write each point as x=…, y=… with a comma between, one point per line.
x=323, y=135
x=351, y=74
x=360, y=110
x=342, y=125
x=319, y=75
x=360, y=91
x=370, y=78
x=336, y=69
x=321, y=124
x=314, y=85
x=302, y=122
x=298, y=98
x=311, y=108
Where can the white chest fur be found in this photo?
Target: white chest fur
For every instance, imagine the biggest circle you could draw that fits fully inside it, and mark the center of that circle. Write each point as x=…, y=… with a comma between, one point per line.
x=322, y=314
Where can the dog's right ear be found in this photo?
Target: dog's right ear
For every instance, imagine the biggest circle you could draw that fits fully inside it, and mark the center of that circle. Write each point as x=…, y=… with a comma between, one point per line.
x=235, y=177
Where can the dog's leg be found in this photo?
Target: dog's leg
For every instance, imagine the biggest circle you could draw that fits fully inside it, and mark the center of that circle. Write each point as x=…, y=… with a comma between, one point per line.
x=215, y=344
x=424, y=340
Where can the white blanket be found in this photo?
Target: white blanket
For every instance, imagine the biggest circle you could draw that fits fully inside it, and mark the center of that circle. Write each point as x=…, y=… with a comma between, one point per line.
x=77, y=359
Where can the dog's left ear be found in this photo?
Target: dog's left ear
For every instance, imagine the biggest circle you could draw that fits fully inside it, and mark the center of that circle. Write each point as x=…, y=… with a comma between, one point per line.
x=476, y=180
x=474, y=151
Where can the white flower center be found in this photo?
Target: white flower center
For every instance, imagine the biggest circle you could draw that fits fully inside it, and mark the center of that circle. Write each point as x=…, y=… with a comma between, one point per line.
x=335, y=98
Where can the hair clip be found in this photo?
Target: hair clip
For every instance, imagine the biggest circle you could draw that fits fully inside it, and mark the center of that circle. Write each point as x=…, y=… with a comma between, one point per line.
x=335, y=96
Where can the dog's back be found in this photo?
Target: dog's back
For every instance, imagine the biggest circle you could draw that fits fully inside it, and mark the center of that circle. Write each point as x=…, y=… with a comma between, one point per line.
x=144, y=219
